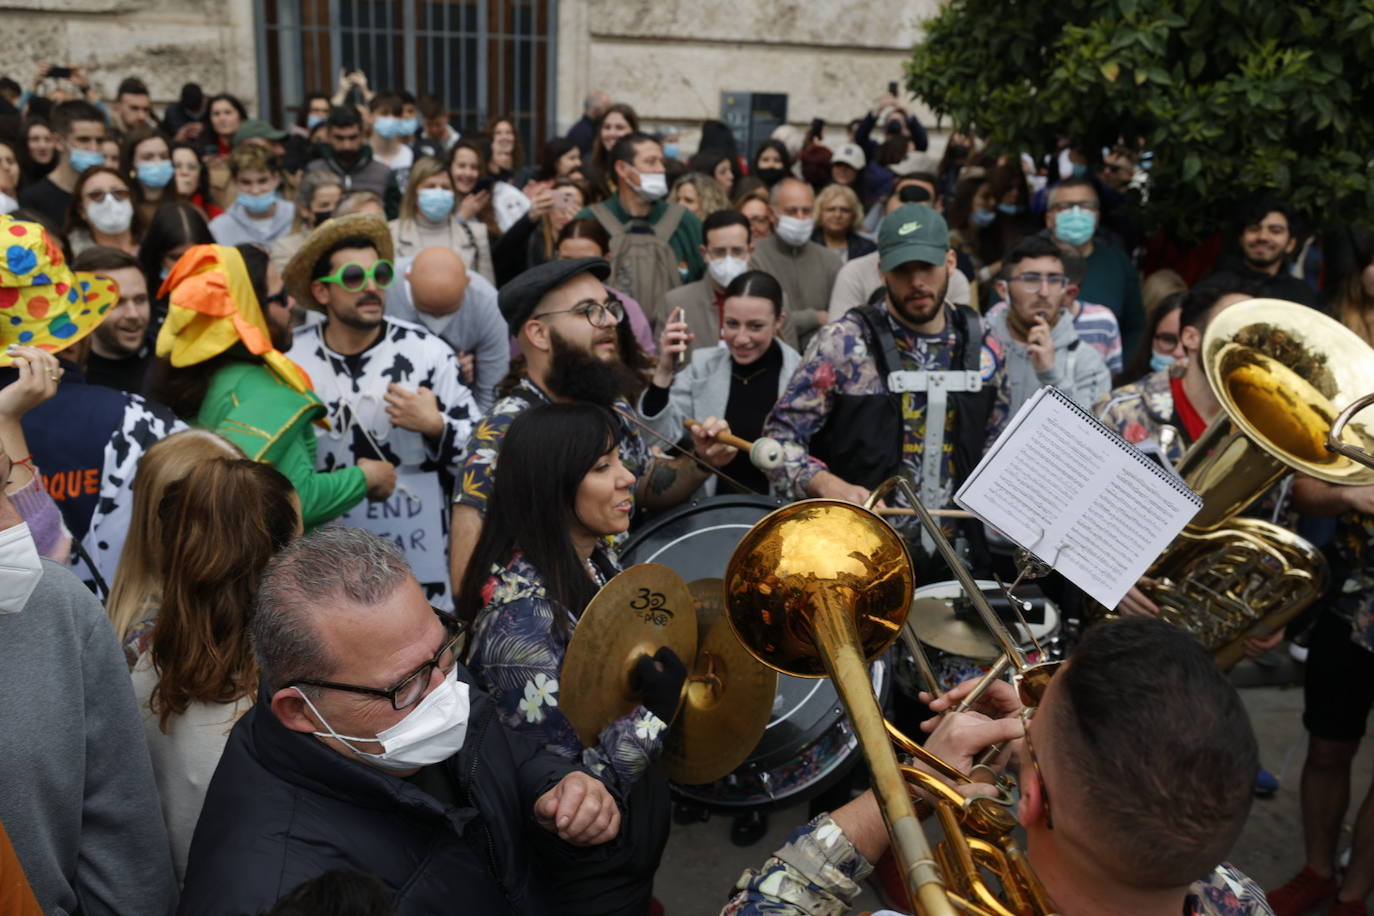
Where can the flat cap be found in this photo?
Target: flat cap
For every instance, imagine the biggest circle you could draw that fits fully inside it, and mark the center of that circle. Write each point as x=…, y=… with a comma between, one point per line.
x=520, y=297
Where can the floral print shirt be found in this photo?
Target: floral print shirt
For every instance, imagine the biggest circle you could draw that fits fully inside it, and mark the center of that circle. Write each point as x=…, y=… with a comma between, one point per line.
x=817, y=873
x=1355, y=601
x=1137, y=412
x=838, y=362
x=517, y=657
x=479, y=468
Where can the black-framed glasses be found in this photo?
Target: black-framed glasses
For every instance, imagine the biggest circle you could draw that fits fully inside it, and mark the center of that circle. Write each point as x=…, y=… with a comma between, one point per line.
x=1039, y=774
x=1035, y=281
x=410, y=689
x=598, y=314
x=354, y=277
x=1166, y=340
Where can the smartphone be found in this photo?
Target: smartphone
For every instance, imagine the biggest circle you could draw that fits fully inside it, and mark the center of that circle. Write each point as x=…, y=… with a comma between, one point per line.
x=677, y=315
x=564, y=199
x=892, y=88
x=60, y=73
x=483, y=184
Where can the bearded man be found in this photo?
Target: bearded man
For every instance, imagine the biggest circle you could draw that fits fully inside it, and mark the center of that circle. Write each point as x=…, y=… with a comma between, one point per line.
x=565, y=323
x=906, y=384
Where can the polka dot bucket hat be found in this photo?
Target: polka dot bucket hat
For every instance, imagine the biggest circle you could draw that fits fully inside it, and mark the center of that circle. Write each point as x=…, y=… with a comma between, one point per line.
x=43, y=302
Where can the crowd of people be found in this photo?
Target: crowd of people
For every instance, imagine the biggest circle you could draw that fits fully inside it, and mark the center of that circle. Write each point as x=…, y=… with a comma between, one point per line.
x=289, y=636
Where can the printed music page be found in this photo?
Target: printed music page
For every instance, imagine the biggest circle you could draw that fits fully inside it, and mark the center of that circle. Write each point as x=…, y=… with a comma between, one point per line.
x=1078, y=496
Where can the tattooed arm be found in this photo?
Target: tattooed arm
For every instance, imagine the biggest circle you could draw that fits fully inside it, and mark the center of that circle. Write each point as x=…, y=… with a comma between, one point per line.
x=671, y=480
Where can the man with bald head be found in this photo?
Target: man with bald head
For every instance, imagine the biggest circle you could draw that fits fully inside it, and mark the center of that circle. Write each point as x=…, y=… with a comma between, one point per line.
x=806, y=270
x=435, y=290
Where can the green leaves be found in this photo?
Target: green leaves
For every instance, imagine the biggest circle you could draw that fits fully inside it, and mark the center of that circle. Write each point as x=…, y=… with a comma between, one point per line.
x=1234, y=97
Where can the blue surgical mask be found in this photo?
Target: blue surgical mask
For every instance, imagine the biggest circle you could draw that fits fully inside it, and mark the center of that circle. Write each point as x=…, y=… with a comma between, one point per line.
x=1079, y=170
x=983, y=217
x=409, y=126
x=388, y=127
x=314, y=121
x=1161, y=361
x=1009, y=209
x=435, y=203
x=1075, y=226
x=671, y=150
x=257, y=204
x=155, y=174
x=83, y=159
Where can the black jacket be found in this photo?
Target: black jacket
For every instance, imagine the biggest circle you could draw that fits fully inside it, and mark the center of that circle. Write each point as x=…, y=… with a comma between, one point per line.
x=283, y=808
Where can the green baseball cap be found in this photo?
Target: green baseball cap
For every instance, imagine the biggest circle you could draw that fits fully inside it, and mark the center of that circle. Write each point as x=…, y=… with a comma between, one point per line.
x=912, y=232
x=255, y=128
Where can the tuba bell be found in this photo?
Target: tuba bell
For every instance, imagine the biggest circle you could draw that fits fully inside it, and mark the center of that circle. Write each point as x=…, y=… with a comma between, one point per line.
x=1284, y=374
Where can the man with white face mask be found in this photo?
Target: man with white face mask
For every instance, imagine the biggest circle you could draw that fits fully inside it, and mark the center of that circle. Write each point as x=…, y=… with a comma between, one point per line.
x=655, y=244
x=806, y=270
x=727, y=249
x=366, y=720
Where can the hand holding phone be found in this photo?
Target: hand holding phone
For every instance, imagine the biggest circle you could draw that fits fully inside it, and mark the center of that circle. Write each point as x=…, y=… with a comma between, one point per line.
x=60, y=73
x=678, y=315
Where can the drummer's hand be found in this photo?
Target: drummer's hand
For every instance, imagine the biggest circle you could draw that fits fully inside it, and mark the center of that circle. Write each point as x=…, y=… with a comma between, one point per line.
x=1136, y=604
x=580, y=810
x=1255, y=646
x=1000, y=701
x=960, y=737
x=716, y=454
x=832, y=486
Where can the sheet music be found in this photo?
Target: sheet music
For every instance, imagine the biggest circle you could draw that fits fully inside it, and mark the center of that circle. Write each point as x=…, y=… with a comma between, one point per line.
x=1078, y=496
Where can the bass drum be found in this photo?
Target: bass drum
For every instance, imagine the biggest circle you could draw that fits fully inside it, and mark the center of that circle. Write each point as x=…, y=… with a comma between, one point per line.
x=807, y=746
x=696, y=540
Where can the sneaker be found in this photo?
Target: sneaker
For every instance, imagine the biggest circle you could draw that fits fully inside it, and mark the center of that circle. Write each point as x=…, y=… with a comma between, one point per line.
x=1266, y=784
x=1347, y=908
x=1302, y=893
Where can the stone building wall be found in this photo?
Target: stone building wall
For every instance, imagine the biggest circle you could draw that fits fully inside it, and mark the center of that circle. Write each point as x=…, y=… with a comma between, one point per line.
x=672, y=60
x=164, y=42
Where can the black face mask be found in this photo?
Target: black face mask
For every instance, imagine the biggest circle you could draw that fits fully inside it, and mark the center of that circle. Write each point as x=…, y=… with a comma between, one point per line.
x=957, y=151
x=347, y=158
x=771, y=177
x=321, y=217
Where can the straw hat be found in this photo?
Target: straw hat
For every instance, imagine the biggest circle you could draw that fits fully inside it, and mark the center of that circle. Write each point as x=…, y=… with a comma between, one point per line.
x=300, y=269
x=43, y=302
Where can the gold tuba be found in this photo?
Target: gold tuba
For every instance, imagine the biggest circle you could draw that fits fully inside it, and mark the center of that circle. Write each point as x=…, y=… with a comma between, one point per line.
x=819, y=587
x=1283, y=373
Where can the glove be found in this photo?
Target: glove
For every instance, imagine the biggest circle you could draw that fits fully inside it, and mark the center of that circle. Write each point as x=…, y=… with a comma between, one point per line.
x=659, y=680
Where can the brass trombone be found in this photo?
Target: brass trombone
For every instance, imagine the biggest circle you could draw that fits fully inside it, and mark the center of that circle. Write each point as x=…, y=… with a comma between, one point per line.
x=821, y=586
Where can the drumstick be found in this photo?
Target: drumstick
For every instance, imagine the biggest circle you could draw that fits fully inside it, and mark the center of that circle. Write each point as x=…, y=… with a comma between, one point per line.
x=764, y=453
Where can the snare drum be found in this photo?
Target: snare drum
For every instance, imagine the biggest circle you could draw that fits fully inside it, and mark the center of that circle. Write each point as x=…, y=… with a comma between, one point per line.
x=807, y=746
x=696, y=540
x=950, y=656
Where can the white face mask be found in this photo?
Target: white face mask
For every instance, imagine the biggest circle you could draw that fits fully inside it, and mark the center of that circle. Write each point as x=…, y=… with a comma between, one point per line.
x=795, y=232
x=7, y=204
x=725, y=270
x=430, y=733
x=652, y=185
x=110, y=216
x=20, y=568
x=436, y=324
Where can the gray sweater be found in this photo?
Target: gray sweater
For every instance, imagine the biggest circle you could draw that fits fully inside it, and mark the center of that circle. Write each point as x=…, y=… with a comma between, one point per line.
x=77, y=795
x=1079, y=370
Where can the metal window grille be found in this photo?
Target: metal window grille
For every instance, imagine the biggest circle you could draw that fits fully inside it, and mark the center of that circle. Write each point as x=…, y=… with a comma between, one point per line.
x=484, y=58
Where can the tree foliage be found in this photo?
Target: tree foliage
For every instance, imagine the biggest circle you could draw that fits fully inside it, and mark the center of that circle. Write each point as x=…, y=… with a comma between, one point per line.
x=1234, y=97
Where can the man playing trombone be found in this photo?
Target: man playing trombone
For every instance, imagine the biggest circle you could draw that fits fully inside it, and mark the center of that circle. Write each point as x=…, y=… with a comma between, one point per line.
x=1135, y=776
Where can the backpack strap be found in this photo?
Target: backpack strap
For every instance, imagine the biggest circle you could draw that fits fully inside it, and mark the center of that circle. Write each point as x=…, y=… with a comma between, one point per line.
x=669, y=222
x=607, y=219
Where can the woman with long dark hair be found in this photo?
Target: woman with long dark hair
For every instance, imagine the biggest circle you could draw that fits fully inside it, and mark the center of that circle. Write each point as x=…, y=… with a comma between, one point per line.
x=175, y=228
x=525, y=588
x=199, y=675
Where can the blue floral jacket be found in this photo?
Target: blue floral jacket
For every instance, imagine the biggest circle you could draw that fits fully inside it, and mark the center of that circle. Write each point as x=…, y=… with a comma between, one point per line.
x=517, y=656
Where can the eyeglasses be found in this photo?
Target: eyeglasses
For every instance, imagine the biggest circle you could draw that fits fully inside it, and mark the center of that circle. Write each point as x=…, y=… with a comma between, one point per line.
x=1039, y=774
x=408, y=690
x=599, y=314
x=1036, y=281
x=1166, y=340
x=1060, y=205
x=98, y=197
x=354, y=277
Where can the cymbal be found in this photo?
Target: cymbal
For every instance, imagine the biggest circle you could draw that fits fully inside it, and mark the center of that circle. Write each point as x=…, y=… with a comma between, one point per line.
x=936, y=625
x=729, y=698
x=638, y=612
